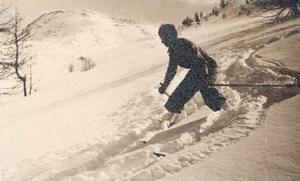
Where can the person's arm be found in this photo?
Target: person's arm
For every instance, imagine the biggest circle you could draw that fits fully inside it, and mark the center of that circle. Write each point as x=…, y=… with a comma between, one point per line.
x=170, y=74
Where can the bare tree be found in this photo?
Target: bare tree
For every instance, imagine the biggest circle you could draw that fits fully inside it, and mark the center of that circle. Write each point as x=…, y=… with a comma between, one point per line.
x=4, y=21
x=18, y=47
x=87, y=64
x=286, y=8
x=5, y=65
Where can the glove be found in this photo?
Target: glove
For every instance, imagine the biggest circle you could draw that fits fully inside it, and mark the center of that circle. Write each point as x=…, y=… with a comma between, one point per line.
x=162, y=89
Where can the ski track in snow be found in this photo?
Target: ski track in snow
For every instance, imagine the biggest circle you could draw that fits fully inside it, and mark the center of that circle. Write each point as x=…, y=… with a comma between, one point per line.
x=125, y=157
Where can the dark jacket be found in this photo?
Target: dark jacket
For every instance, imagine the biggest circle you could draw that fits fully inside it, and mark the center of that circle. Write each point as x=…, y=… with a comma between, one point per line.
x=186, y=54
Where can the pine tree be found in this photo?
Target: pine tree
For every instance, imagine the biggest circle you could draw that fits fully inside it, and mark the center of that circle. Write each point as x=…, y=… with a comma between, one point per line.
x=197, y=19
x=222, y=4
x=187, y=21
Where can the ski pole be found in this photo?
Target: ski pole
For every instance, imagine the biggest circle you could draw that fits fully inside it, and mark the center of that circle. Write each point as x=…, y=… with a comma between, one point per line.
x=165, y=92
x=296, y=83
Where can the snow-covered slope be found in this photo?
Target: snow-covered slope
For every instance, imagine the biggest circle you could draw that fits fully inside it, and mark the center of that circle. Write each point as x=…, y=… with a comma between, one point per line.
x=85, y=28
x=106, y=123
x=78, y=36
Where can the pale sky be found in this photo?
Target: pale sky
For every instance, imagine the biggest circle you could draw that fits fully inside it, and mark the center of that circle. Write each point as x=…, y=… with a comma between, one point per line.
x=148, y=11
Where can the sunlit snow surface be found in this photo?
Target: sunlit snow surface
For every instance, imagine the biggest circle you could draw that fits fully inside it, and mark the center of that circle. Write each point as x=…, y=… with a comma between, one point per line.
x=105, y=123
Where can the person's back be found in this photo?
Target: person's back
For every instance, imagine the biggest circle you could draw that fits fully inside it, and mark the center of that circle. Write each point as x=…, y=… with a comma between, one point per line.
x=185, y=54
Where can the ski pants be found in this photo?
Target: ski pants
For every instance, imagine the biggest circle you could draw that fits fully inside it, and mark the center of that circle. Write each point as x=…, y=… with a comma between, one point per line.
x=195, y=80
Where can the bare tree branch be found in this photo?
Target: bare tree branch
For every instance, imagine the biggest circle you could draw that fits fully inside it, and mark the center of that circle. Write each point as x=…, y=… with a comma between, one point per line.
x=287, y=8
x=17, y=55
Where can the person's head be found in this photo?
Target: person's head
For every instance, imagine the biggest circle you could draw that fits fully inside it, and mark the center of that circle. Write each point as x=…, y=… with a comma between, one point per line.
x=168, y=34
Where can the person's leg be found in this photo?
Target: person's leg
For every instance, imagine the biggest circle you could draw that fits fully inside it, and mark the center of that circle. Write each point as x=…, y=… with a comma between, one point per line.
x=185, y=91
x=212, y=98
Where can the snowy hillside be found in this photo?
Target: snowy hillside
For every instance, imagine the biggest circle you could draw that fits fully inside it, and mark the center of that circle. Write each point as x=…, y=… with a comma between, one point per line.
x=80, y=35
x=106, y=123
x=80, y=27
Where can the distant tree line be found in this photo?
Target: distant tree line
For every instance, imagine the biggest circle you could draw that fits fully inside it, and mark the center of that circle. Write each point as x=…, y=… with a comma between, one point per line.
x=198, y=16
x=285, y=9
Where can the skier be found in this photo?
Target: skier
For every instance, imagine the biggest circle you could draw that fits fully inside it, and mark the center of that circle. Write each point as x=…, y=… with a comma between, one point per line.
x=184, y=53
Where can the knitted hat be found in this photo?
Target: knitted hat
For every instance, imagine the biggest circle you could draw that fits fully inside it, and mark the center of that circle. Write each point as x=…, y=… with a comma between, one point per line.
x=167, y=30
